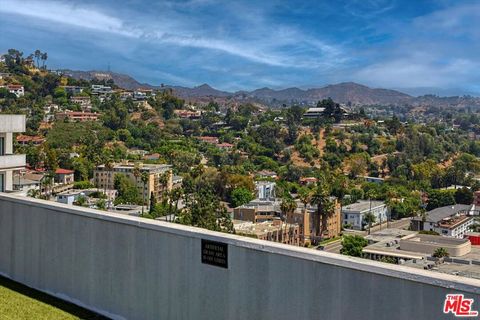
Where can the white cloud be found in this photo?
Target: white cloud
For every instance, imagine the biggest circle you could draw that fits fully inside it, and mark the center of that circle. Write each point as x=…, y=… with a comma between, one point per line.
x=262, y=43
x=224, y=46
x=409, y=73
x=437, y=50
x=58, y=12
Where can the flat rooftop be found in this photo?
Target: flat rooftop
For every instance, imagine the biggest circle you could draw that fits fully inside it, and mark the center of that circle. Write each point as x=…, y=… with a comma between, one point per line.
x=144, y=166
x=260, y=205
x=256, y=228
x=457, y=269
x=453, y=222
x=361, y=206
x=390, y=245
x=438, y=240
x=71, y=193
x=388, y=234
x=387, y=242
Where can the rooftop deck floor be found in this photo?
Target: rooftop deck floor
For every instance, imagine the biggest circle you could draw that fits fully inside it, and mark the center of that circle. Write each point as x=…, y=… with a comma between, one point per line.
x=21, y=302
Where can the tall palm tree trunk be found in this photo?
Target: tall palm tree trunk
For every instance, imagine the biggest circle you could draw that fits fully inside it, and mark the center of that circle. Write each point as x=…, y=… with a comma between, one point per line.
x=143, y=197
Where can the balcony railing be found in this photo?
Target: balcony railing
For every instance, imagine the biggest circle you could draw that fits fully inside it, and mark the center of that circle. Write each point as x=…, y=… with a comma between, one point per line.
x=12, y=161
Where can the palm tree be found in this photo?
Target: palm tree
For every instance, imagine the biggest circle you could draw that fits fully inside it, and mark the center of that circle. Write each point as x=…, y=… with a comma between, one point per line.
x=44, y=58
x=392, y=198
x=197, y=171
x=97, y=160
x=34, y=193
x=48, y=181
x=372, y=194
x=370, y=219
x=176, y=195
x=136, y=171
x=163, y=181
x=440, y=253
x=305, y=195
x=287, y=206
x=325, y=208
x=108, y=167
x=145, y=178
x=37, y=54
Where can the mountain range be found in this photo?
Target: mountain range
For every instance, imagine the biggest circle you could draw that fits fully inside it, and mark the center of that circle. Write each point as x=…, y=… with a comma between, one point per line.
x=345, y=93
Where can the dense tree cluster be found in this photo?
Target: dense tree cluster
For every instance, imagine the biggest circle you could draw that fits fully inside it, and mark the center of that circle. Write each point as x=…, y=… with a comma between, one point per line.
x=417, y=160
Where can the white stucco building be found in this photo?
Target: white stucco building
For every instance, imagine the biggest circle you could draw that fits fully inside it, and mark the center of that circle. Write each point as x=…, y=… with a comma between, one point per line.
x=9, y=162
x=451, y=221
x=265, y=190
x=354, y=214
x=15, y=89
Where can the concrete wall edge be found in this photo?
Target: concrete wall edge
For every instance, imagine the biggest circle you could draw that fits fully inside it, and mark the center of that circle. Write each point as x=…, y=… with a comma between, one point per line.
x=395, y=271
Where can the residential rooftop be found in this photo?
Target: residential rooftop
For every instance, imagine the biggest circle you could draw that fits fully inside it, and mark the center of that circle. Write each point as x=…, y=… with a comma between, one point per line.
x=259, y=228
x=263, y=205
x=362, y=206
x=143, y=166
x=441, y=213
x=454, y=221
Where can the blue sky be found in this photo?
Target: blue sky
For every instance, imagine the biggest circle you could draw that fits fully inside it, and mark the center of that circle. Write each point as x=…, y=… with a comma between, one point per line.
x=416, y=46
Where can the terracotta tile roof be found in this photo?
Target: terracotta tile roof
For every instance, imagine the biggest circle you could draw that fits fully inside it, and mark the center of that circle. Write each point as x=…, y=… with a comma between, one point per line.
x=64, y=171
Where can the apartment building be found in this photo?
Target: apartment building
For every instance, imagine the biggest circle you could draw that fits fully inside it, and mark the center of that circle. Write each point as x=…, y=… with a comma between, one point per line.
x=143, y=94
x=258, y=211
x=306, y=219
x=476, y=198
x=333, y=222
x=354, y=214
x=25, y=140
x=73, y=90
x=276, y=231
x=83, y=101
x=9, y=162
x=188, y=114
x=77, y=116
x=159, y=177
x=451, y=221
x=207, y=139
x=265, y=190
x=456, y=226
x=64, y=176
x=302, y=218
x=15, y=89
x=313, y=113
x=101, y=89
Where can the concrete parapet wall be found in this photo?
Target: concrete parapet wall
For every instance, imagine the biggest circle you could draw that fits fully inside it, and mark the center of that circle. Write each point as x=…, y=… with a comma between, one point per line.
x=12, y=123
x=133, y=268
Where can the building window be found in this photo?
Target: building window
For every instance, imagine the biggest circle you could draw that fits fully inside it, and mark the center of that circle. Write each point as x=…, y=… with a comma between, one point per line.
x=2, y=182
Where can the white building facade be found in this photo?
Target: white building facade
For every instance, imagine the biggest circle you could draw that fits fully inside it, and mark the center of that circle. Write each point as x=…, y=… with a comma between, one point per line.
x=265, y=190
x=9, y=162
x=354, y=214
x=456, y=226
